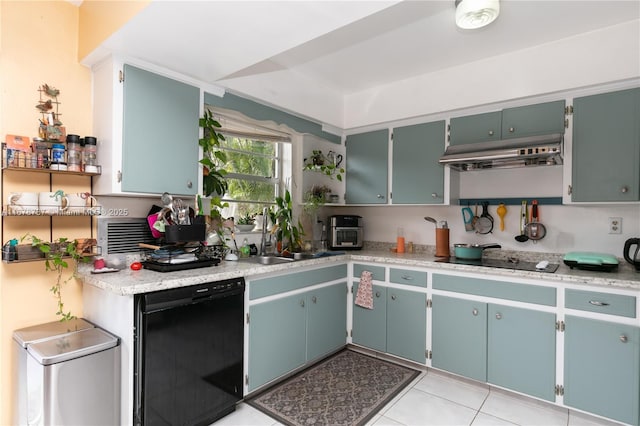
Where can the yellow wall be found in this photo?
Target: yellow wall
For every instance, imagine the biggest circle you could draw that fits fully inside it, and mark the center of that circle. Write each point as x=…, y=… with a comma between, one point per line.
x=38, y=44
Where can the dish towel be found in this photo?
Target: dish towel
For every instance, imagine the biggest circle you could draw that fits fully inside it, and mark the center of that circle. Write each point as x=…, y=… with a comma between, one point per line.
x=364, y=297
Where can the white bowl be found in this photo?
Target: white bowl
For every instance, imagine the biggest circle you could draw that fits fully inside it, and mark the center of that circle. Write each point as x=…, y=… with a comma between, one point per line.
x=245, y=228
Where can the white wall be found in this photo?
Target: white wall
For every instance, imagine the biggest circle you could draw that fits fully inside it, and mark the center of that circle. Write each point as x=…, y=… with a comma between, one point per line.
x=569, y=228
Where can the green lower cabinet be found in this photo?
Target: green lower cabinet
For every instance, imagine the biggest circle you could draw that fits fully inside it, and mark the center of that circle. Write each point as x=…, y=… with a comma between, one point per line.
x=326, y=320
x=602, y=368
x=521, y=350
x=510, y=347
x=407, y=324
x=370, y=325
x=277, y=339
x=397, y=324
x=459, y=336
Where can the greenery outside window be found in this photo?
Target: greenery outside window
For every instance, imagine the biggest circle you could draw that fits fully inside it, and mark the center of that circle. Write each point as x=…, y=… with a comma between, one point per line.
x=258, y=167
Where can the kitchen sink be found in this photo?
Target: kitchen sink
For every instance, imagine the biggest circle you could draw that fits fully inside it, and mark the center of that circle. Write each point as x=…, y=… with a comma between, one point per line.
x=269, y=260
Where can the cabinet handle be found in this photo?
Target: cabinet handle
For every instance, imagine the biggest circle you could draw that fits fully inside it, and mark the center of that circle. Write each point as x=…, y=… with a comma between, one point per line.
x=435, y=195
x=380, y=196
x=314, y=299
x=189, y=184
x=407, y=277
x=491, y=133
x=393, y=297
x=624, y=189
x=512, y=129
x=377, y=294
x=475, y=312
x=302, y=303
x=498, y=316
x=598, y=303
x=623, y=338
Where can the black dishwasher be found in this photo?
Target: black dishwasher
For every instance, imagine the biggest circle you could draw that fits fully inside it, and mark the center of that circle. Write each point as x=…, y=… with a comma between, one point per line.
x=188, y=353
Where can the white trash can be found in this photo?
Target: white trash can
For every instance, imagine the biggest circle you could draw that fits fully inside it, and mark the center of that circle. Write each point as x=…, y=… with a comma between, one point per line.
x=68, y=374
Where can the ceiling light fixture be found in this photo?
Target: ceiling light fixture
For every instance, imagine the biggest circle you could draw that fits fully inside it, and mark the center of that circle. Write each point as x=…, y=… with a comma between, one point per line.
x=472, y=14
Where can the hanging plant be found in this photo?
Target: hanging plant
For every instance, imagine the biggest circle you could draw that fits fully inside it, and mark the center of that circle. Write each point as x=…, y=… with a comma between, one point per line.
x=213, y=158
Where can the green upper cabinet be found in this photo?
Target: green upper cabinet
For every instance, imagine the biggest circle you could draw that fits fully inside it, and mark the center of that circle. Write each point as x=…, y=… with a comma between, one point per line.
x=160, y=134
x=475, y=128
x=530, y=120
x=533, y=120
x=367, y=164
x=417, y=176
x=602, y=368
x=606, y=147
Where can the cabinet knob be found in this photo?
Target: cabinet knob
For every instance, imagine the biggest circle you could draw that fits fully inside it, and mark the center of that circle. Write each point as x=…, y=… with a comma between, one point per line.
x=435, y=195
x=498, y=316
x=189, y=184
x=491, y=133
x=380, y=196
x=314, y=299
x=624, y=338
x=377, y=294
x=624, y=189
x=302, y=303
x=393, y=297
x=475, y=312
x=512, y=129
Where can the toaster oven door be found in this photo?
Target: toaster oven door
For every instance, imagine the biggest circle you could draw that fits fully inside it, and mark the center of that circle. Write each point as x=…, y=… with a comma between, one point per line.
x=347, y=237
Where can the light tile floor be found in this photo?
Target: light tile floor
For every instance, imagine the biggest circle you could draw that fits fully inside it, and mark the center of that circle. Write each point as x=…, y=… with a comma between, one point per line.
x=436, y=398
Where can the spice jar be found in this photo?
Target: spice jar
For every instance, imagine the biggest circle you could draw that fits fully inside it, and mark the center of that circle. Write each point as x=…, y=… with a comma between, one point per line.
x=74, y=153
x=41, y=152
x=90, y=154
x=57, y=154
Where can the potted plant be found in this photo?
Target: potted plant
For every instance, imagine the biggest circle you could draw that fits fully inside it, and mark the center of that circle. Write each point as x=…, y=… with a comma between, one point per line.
x=315, y=198
x=213, y=158
x=288, y=234
x=317, y=162
x=246, y=223
x=56, y=255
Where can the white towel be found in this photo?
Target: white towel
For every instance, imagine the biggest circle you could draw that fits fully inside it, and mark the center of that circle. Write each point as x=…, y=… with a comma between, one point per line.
x=364, y=297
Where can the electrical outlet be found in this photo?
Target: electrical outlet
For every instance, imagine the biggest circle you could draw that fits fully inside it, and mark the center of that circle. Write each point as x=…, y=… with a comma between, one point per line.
x=615, y=225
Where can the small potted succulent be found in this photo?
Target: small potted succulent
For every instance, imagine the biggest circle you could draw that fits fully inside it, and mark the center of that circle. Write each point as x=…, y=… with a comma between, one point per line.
x=246, y=223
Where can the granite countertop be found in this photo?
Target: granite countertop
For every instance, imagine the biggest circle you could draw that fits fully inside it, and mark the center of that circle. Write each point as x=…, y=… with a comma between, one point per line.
x=128, y=282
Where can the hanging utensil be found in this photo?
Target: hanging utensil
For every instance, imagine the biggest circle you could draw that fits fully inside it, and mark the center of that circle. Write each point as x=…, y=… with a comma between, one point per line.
x=467, y=217
x=484, y=224
x=523, y=222
x=502, y=212
x=535, y=230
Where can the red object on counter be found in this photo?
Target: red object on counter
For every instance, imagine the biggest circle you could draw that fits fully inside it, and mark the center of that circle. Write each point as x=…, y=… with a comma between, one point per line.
x=136, y=266
x=98, y=263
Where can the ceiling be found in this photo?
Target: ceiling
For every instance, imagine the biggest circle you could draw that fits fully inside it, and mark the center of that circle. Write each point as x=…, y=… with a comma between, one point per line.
x=344, y=46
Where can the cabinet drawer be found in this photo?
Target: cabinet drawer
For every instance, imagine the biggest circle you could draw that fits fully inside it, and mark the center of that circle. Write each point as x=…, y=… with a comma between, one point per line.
x=377, y=272
x=406, y=276
x=498, y=289
x=293, y=281
x=604, y=303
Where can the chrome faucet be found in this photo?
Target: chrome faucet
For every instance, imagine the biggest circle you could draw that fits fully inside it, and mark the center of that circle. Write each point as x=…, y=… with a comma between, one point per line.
x=263, y=238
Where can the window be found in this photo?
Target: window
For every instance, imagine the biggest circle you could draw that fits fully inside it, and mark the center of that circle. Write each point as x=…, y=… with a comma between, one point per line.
x=258, y=167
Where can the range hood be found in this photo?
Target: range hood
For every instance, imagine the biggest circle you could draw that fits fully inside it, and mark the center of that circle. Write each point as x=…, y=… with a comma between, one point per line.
x=529, y=151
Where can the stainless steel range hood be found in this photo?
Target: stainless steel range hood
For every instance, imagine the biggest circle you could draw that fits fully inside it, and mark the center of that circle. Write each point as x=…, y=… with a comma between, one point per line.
x=520, y=152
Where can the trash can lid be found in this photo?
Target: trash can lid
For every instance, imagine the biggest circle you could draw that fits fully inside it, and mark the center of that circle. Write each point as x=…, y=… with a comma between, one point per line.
x=36, y=333
x=71, y=346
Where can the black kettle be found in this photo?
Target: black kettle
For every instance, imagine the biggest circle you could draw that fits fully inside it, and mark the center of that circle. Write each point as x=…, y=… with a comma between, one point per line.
x=635, y=258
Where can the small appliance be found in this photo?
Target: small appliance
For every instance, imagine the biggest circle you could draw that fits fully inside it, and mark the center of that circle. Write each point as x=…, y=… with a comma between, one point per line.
x=591, y=261
x=345, y=232
x=634, y=258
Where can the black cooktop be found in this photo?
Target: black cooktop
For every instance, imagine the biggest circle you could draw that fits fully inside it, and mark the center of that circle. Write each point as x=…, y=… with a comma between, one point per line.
x=510, y=263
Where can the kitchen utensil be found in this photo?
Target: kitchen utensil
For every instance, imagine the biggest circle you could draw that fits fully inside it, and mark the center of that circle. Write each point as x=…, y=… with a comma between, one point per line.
x=635, y=258
x=535, y=230
x=472, y=251
x=502, y=212
x=523, y=222
x=467, y=217
x=432, y=220
x=475, y=216
x=591, y=261
x=484, y=224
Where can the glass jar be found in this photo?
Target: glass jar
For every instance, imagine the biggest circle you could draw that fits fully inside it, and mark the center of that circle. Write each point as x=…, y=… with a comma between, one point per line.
x=41, y=152
x=74, y=153
x=90, y=155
